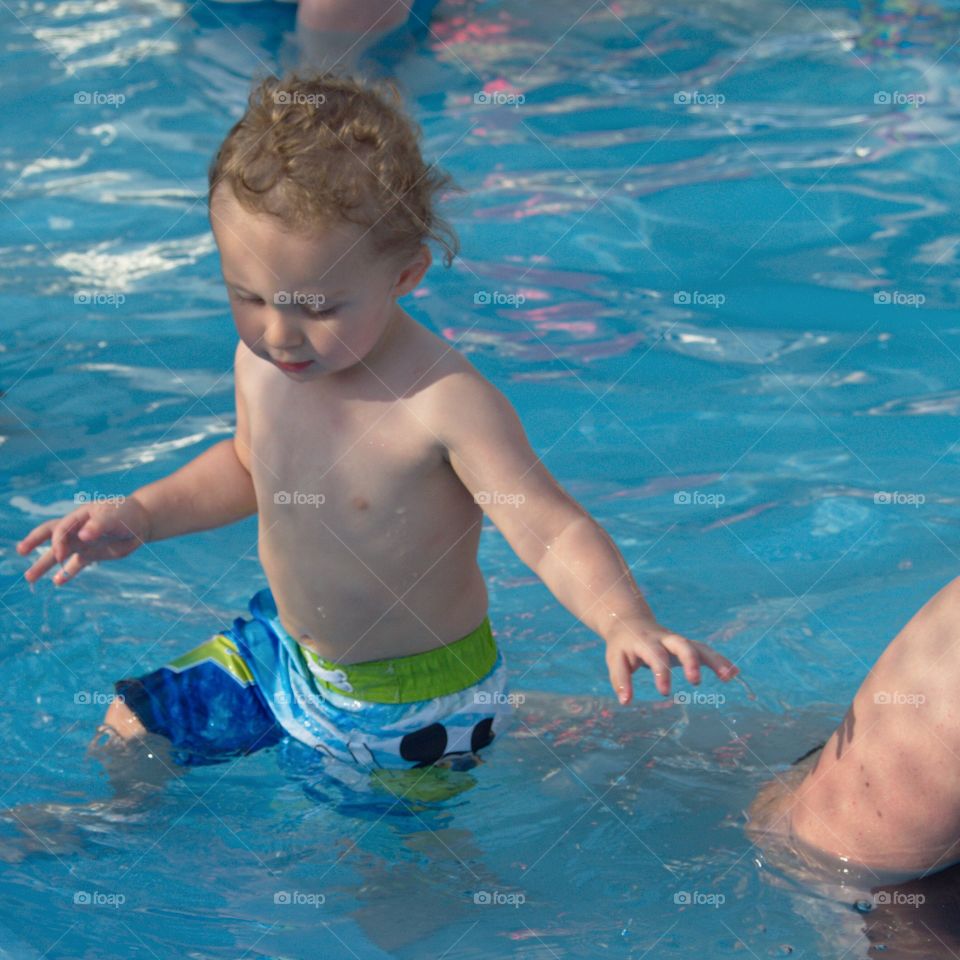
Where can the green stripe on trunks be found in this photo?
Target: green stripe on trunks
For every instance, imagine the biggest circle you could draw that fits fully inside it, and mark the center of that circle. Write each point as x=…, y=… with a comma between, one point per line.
x=222, y=651
x=420, y=676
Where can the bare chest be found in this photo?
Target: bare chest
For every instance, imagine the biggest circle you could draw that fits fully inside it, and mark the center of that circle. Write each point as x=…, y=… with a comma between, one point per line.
x=347, y=468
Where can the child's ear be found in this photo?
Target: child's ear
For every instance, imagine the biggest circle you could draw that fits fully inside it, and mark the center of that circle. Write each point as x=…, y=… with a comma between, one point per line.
x=411, y=275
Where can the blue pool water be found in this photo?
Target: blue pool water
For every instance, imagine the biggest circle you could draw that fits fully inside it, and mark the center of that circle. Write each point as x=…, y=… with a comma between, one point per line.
x=711, y=257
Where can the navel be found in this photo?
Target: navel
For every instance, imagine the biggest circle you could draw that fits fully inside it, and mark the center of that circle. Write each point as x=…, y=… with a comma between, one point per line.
x=360, y=503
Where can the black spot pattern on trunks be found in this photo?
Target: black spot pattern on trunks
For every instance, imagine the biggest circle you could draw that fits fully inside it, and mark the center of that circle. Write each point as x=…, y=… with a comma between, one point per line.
x=424, y=746
x=428, y=745
x=482, y=734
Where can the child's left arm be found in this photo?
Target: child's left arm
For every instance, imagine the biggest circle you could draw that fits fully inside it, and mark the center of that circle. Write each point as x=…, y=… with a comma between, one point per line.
x=552, y=534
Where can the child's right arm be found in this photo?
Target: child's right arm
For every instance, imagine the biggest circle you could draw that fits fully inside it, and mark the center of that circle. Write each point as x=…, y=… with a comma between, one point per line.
x=212, y=490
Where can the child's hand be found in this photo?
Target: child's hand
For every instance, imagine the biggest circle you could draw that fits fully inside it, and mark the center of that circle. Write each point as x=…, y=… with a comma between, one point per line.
x=92, y=532
x=651, y=645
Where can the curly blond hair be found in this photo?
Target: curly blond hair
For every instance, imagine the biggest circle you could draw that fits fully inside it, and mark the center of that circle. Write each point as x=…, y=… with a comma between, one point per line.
x=310, y=149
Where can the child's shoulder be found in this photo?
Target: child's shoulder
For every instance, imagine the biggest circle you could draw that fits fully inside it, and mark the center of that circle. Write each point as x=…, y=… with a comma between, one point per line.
x=438, y=373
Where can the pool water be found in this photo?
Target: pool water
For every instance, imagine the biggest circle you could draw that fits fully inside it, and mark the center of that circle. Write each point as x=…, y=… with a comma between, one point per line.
x=709, y=252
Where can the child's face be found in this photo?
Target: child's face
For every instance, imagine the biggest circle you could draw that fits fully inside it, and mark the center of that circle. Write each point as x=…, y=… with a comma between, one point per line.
x=324, y=300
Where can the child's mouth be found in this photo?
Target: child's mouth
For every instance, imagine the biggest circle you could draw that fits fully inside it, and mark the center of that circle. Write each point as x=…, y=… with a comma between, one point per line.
x=293, y=366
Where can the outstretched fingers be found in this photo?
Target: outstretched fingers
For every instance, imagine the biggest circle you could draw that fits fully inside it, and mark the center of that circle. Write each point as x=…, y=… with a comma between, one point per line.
x=725, y=669
x=687, y=652
x=36, y=536
x=61, y=535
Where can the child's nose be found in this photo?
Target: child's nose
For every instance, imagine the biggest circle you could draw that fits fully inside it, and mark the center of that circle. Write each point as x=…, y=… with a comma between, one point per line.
x=282, y=332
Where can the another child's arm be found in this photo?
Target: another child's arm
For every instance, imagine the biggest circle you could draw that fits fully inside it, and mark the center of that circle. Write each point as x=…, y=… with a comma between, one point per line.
x=212, y=490
x=554, y=536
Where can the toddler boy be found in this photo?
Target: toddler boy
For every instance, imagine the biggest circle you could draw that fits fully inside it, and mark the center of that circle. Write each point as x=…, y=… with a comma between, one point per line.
x=369, y=449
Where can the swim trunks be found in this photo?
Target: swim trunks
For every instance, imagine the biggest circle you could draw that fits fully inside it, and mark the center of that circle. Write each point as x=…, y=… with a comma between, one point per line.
x=252, y=684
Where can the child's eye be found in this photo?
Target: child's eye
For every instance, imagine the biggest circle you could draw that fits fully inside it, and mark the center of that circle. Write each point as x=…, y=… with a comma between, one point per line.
x=249, y=299
x=324, y=312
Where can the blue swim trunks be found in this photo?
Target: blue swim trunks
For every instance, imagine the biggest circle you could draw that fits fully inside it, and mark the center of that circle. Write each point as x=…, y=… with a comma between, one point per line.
x=252, y=684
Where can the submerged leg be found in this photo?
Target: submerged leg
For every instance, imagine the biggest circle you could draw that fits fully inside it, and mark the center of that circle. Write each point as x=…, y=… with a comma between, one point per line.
x=137, y=763
x=334, y=33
